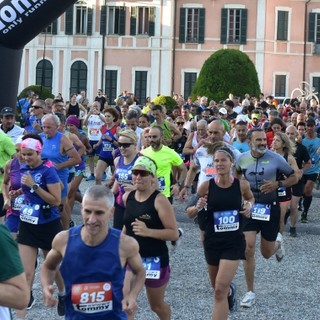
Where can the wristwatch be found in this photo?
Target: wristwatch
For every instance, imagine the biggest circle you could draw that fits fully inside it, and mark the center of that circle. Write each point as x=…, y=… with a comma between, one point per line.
x=34, y=187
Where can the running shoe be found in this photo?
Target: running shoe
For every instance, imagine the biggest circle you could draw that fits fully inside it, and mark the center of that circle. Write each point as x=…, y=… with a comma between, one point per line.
x=248, y=300
x=280, y=252
x=91, y=178
x=232, y=299
x=176, y=244
x=32, y=301
x=304, y=218
x=293, y=232
x=61, y=308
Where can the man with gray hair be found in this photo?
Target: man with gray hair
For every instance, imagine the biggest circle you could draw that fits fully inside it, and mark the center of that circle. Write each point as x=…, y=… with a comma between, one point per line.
x=99, y=254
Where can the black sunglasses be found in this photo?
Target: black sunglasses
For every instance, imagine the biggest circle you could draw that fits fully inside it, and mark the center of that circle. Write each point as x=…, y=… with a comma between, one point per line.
x=179, y=123
x=142, y=173
x=124, y=145
x=36, y=107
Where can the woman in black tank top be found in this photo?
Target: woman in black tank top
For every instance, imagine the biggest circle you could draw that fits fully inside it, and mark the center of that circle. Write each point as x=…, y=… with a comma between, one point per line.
x=150, y=219
x=225, y=200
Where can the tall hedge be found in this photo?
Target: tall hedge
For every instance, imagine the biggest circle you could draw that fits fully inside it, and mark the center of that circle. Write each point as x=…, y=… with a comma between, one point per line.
x=227, y=71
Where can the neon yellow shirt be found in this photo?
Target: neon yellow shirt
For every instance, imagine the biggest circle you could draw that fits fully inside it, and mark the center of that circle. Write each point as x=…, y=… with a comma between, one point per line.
x=165, y=159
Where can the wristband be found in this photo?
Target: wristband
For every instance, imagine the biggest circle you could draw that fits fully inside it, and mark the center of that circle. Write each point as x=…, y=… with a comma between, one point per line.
x=248, y=202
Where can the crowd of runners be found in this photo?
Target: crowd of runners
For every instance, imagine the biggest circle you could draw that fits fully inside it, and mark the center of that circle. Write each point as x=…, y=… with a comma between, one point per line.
x=261, y=154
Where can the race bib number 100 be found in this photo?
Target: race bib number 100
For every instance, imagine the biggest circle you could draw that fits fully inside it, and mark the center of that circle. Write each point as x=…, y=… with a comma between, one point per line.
x=226, y=220
x=261, y=211
x=92, y=297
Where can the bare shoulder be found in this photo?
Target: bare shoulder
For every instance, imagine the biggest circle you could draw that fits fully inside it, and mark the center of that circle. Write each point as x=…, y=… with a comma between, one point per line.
x=129, y=246
x=60, y=241
x=244, y=184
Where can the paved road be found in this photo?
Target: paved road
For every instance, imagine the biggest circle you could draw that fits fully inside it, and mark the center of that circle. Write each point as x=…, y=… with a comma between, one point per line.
x=286, y=290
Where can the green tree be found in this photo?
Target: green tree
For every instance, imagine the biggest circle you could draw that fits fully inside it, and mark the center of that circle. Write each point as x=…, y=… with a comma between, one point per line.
x=227, y=71
x=41, y=91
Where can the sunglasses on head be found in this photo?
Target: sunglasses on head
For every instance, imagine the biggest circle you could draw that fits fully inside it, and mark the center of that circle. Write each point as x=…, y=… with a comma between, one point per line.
x=124, y=145
x=142, y=173
x=179, y=123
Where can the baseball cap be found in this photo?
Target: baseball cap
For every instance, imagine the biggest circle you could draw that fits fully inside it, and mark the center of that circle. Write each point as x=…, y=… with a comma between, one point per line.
x=223, y=111
x=7, y=111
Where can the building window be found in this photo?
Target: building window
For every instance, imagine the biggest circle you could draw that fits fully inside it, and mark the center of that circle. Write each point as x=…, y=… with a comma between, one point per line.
x=44, y=72
x=142, y=21
x=111, y=78
x=234, y=26
x=192, y=22
x=51, y=28
x=79, y=19
x=112, y=20
x=282, y=26
x=78, y=77
x=314, y=27
x=140, y=86
x=280, y=86
x=316, y=84
x=189, y=80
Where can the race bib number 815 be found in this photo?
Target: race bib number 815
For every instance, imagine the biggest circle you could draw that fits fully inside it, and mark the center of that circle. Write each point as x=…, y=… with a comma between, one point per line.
x=92, y=297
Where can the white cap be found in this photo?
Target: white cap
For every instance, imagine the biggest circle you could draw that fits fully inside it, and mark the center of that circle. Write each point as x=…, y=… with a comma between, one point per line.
x=223, y=110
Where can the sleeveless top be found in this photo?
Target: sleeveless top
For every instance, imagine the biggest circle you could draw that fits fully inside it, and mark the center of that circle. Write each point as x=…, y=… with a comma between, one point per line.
x=223, y=214
x=146, y=212
x=123, y=175
x=15, y=184
x=74, y=110
x=108, y=146
x=51, y=151
x=94, y=291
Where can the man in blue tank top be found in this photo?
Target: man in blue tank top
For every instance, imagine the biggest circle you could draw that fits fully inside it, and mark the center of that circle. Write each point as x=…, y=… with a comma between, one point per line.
x=99, y=254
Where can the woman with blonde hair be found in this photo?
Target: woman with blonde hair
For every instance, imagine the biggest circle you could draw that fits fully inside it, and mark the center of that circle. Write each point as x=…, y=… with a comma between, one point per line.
x=282, y=145
x=127, y=143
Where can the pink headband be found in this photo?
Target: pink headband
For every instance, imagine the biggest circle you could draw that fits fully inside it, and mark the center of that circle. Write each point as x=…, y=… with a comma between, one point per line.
x=32, y=144
x=73, y=120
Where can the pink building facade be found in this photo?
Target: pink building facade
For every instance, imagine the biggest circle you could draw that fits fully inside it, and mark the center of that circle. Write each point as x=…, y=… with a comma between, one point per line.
x=154, y=47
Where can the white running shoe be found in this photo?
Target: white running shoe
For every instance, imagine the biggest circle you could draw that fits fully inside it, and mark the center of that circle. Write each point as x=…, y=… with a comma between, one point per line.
x=248, y=300
x=281, y=251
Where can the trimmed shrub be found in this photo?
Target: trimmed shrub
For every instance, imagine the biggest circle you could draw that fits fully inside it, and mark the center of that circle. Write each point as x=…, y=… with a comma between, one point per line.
x=41, y=91
x=227, y=71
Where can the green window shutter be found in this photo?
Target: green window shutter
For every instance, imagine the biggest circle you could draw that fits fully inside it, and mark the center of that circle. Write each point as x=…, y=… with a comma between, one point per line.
x=69, y=21
x=55, y=27
x=152, y=17
x=243, y=26
x=103, y=20
x=282, y=32
x=201, y=25
x=133, y=21
x=122, y=21
x=224, y=26
x=182, y=26
x=89, y=25
x=312, y=22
